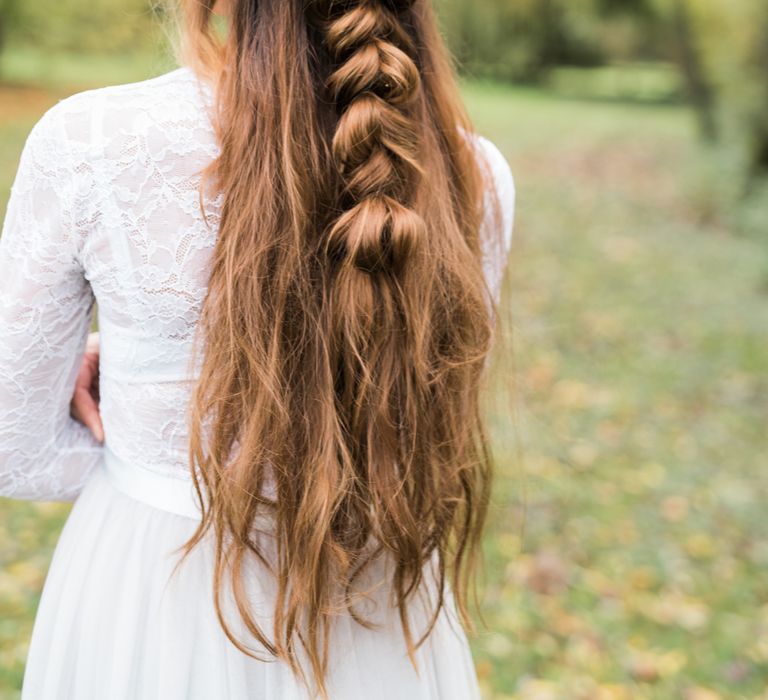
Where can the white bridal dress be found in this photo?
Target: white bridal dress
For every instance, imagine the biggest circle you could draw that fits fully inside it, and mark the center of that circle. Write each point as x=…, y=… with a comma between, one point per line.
x=105, y=207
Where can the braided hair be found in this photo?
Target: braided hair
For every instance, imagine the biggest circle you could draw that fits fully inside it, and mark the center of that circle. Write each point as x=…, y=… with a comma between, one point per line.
x=346, y=324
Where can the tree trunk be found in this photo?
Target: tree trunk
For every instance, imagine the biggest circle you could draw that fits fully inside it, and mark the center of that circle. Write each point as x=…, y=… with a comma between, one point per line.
x=699, y=90
x=760, y=129
x=550, y=37
x=3, y=26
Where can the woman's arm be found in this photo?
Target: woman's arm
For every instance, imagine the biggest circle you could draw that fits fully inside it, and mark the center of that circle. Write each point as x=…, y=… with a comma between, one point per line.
x=496, y=228
x=85, y=400
x=45, y=314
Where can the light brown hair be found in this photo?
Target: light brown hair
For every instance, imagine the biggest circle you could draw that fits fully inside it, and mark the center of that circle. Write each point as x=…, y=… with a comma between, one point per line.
x=346, y=324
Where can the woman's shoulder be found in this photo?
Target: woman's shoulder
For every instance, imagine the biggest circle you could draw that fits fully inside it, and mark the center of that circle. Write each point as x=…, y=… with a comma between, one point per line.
x=500, y=183
x=87, y=116
x=165, y=86
x=494, y=163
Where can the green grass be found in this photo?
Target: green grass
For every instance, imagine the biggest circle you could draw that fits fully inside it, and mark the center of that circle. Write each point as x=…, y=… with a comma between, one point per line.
x=631, y=82
x=626, y=554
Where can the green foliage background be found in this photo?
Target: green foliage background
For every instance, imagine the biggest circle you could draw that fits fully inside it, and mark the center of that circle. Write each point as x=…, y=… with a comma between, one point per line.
x=96, y=26
x=627, y=548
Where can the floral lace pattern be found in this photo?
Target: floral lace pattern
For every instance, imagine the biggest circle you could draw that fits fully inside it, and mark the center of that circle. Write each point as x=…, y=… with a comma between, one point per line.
x=105, y=207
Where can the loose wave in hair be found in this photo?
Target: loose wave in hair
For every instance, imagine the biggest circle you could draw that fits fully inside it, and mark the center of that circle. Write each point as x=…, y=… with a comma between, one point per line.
x=346, y=323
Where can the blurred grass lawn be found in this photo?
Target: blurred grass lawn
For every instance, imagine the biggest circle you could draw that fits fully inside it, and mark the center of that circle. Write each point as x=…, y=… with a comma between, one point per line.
x=627, y=550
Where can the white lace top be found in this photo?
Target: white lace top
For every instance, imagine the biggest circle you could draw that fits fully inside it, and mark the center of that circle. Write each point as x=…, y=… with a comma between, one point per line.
x=105, y=207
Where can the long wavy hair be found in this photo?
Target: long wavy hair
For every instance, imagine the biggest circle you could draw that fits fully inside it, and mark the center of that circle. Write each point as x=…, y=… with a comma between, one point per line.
x=347, y=319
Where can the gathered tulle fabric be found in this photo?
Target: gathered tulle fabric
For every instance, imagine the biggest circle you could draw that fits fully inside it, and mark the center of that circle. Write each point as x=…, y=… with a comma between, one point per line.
x=114, y=623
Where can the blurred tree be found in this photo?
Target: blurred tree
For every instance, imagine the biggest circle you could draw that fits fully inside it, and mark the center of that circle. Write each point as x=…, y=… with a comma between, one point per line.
x=670, y=20
x=9, y=14
x=94, y=26
x=759, y=118
x=700, y=90
x=733, y=36
x=520, y=39
x=634, y=7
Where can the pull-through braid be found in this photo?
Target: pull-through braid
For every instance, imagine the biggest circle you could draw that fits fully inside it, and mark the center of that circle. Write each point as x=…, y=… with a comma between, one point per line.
x=345, y=323
x=374, y=312
x=375, y=146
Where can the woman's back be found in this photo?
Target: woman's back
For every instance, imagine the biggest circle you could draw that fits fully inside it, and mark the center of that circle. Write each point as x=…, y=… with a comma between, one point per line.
x=127, y=161
x=145, y=252
x=371, y=433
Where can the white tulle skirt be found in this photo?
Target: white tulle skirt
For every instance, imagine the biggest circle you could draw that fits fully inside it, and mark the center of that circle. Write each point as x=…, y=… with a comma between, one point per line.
x=113, y=625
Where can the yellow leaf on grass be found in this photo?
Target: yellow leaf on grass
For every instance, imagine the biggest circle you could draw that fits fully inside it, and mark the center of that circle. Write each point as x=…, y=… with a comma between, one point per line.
x=700, y=545
x=612, y=692
x=649, y=666
x=537, y=689
x=699, y=693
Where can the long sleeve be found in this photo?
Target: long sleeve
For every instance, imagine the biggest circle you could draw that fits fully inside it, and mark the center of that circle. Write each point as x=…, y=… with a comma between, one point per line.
x=499, y=211
x=45, y=313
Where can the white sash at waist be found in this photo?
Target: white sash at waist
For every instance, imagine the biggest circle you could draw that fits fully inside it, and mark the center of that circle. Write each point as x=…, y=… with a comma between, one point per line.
x=172, y=494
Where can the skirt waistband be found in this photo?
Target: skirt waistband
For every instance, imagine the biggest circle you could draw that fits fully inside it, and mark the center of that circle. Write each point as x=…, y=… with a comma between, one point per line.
x=172, y=494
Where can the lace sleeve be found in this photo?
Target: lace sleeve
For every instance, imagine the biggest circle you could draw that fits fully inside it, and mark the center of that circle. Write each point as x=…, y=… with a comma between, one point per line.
x=496, y=228
x=45, y=312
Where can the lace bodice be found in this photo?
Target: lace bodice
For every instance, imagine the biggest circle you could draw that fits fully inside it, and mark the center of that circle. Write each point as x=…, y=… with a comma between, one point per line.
x=105, y=207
